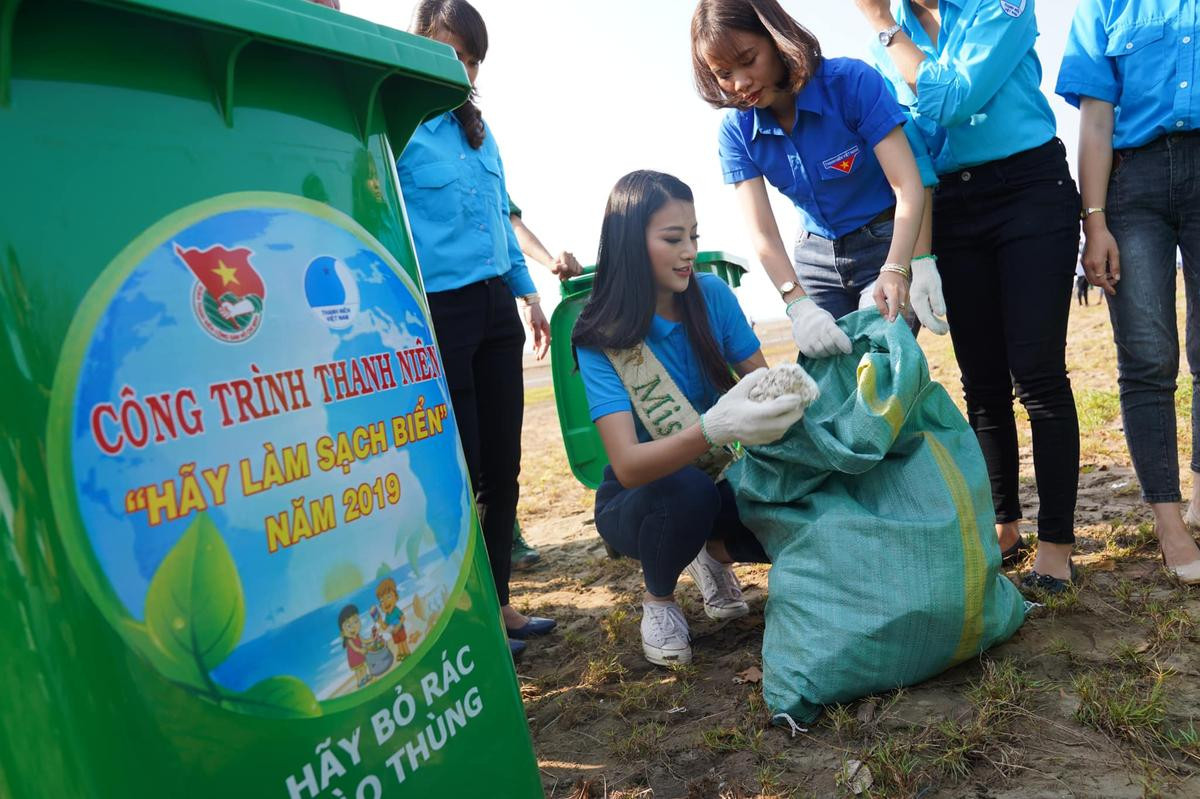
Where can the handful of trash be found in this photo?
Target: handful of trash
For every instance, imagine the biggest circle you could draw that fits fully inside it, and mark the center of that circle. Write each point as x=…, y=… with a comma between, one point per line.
x=789, y=378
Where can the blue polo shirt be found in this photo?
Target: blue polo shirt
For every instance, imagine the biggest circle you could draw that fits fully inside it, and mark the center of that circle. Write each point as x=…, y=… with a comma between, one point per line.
x=979, y=96
x=827, y=165
x=457, y=204
x=1139, y=55
x=668, y=341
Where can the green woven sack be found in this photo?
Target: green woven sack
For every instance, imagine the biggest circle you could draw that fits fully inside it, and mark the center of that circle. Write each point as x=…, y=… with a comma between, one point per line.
x=877, y=513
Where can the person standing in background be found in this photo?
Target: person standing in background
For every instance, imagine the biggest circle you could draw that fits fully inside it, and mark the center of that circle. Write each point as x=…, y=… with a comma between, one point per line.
x=1139, y=171
x=454, y=190
x=1006, y=234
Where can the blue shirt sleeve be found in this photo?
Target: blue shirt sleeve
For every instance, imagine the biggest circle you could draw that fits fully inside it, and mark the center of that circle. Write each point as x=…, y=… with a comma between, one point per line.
x=1086, y=71
x=736, y=163
x=994, y=43
x=904, y=96
x=730, y=328
x=605, y=392
x=870, y=108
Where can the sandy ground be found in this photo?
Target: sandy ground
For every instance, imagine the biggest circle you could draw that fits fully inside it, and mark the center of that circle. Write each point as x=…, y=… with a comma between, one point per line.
x=1098, y=695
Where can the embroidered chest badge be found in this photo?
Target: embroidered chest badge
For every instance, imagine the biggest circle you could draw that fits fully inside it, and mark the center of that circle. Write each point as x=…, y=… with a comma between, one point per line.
x=1013, y=9
x=842, y=162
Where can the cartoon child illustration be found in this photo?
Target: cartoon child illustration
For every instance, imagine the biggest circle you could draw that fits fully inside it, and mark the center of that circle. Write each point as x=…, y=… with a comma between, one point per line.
x=350, y=625
x=393, y=616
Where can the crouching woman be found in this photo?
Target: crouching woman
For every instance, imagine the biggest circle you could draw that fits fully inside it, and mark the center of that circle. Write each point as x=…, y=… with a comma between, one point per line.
x=658, y=346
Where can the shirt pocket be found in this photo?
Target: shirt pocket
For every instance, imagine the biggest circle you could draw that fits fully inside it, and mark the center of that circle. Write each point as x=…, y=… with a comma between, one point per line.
x=436, y=194
x=1141, y=57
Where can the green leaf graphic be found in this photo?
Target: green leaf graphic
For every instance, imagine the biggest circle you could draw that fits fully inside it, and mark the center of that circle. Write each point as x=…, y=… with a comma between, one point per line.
x=194, y=607
x=277, y=697
x=186, y=672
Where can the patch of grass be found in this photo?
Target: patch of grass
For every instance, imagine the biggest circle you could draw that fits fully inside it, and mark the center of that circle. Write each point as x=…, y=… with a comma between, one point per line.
x=732, y=739
x=640, y=742
x=1185, y=741
x=600, y=671
x=1170, y=625
x=1097, y=409
x=539, y=394
x=842, y=721
x=1125, y=706
x=617, y=626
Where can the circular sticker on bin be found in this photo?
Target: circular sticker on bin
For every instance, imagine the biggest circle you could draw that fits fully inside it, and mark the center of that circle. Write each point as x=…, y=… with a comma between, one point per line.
x=255, y=464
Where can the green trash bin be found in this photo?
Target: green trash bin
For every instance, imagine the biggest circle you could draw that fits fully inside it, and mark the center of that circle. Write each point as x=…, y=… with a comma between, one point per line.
x=585, y=451
x=238, y=550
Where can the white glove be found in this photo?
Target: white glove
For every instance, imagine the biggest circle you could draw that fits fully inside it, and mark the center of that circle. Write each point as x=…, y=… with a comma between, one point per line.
x=926, y=296
x=815, y=331
x=736, y=417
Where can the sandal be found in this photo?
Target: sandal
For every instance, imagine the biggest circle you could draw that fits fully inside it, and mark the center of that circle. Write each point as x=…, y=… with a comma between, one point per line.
x=1047, y=584
x=1013, y=555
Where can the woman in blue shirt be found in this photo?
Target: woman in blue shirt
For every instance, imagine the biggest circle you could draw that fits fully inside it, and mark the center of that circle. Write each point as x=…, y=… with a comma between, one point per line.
x=1006, y=235
x=666, y=429
x=1139, y=173
x=825, y=132
x=457, y=203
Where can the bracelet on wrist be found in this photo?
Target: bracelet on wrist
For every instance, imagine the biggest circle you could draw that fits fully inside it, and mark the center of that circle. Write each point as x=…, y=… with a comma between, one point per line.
x=898, y=269
x=531, y=299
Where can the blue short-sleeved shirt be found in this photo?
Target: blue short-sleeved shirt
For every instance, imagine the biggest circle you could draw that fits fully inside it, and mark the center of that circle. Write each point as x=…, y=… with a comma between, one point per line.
x=979, y=96
x=457, y=204
x=1139, y=55
x=827, y=165
x=668, y=340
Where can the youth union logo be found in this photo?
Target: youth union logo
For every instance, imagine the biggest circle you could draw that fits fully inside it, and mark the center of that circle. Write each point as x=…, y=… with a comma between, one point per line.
x=331, y=292
x=229, y=293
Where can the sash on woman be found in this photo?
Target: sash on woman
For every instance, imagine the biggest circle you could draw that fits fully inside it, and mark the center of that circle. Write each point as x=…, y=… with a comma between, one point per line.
x=661, y=406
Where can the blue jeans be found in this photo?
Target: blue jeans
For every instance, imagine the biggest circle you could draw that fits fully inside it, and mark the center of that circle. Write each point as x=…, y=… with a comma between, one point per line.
x=1153, y=207
x=835, y=271
x=664, y=523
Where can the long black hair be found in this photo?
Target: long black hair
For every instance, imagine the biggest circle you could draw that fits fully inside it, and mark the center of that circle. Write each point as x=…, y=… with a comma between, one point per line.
x=621, y=307
x=460, y=18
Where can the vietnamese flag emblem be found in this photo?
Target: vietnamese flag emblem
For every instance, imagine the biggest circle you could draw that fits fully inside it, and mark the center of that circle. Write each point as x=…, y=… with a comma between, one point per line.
x=842, y=162
x=229, y=294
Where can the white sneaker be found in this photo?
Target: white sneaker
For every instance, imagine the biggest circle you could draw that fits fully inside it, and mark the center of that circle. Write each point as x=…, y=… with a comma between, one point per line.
x=665, y=639
x=719, y=586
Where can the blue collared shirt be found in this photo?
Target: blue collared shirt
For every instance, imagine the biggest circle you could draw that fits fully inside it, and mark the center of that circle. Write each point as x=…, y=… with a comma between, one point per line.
x=827, y=165
x=979, y=96
x=1139, y=55
x=457, y=204
x=668, y=340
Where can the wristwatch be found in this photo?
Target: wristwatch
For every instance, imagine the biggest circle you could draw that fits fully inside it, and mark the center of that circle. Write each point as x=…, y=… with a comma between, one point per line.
x=887, y=34
x=787, y=288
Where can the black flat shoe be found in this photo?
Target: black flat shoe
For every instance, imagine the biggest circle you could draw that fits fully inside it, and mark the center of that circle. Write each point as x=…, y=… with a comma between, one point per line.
x=1012, y=556
x=1046, y=584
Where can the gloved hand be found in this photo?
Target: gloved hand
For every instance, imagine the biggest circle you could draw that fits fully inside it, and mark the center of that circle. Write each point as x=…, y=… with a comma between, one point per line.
x=736, y=417
x=926, y=296
x=815, y=331
x=866, y=297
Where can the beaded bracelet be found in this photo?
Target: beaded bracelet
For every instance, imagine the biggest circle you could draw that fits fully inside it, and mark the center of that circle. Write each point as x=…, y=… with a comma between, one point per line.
x=899, y=269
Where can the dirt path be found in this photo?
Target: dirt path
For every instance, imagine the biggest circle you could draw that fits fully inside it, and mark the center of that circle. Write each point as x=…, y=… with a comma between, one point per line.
x=1097, y=695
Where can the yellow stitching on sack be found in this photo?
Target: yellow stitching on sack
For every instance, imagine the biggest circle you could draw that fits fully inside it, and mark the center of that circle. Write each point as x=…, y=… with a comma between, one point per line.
x=974, y=563
x=869, y=391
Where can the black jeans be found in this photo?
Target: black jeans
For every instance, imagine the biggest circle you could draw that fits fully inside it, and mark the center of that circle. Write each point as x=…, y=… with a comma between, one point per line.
x=481, y=339
x=1006, y=235
x=664, y=523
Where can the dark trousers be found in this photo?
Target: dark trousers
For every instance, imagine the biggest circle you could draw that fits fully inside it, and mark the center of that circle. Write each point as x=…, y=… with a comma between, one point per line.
x=1153, y=208
x=664, y=523
x=1006, y=235
x=481, y=339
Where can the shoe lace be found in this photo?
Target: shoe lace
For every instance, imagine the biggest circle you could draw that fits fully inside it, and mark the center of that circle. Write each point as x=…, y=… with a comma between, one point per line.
x=668, y=622
x=732, y=586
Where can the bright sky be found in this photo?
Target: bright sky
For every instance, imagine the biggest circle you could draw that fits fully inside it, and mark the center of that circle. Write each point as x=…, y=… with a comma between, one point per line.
x=578, y=93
